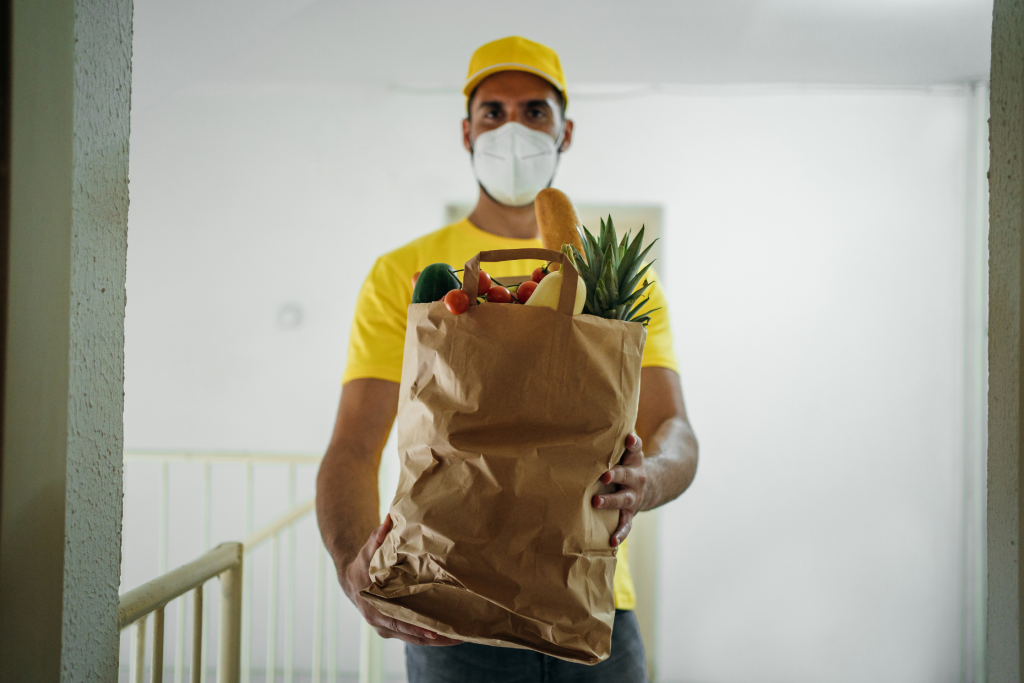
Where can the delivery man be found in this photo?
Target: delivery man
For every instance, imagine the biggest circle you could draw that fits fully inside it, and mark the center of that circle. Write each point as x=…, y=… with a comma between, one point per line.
x=515, y=129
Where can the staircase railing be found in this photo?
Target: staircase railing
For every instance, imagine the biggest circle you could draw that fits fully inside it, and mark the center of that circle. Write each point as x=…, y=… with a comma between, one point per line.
x=171, y=585
x=224, y=562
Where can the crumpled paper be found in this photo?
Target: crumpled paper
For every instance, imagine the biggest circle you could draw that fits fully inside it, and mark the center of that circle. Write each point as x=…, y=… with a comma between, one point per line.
x=507, y=417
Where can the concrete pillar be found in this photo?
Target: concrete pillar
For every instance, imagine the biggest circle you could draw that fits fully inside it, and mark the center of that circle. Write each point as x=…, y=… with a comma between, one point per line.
x=60, y=502
x=99, y=242
x=1006, y=420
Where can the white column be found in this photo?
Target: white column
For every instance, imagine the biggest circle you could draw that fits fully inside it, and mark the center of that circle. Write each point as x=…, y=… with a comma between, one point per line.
x=99, y=243
x=62, y=432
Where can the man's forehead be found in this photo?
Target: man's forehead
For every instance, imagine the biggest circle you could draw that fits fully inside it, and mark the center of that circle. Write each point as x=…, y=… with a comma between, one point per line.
x=515, y=86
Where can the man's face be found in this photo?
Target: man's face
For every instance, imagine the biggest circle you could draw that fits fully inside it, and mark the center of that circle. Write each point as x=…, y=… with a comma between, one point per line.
x=515, y=96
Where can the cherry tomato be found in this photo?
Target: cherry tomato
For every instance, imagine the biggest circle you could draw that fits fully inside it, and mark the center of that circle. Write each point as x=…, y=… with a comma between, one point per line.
x=485, y=283
x=499, y=295
x=415, y=277
x=538, y=274
x=525, y=291
x=456, y=301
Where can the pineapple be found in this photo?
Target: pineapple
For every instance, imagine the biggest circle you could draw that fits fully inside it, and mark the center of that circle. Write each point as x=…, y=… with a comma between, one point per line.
x=612, y=273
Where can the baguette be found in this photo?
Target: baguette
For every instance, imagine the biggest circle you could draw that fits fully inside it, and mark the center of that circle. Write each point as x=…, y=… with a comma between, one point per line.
x=557, y=219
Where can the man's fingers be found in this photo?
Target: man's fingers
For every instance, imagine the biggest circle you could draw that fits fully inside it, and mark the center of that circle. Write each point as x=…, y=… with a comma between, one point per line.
x=626, y=499
x=634, y=444
x=440, y=641
x=381, y=532
x=624, y=476
x=359, y=570
x=393, y=624
x=408, y=632
x=376, y=539
x=621, y=531
x=632, y=457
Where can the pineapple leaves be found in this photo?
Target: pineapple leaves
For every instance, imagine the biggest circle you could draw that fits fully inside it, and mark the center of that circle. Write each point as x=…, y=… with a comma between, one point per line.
x=612, y=270
x=637, y=279
x=609, y=285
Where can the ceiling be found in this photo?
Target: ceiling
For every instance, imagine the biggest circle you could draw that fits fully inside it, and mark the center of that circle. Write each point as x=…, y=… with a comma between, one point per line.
x=422, y=43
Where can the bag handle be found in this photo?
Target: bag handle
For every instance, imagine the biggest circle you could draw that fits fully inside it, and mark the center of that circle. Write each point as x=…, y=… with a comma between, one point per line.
x=566, y=296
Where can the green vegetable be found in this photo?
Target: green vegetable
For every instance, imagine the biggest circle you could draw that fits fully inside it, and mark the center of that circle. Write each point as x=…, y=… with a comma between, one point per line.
x=434, y=282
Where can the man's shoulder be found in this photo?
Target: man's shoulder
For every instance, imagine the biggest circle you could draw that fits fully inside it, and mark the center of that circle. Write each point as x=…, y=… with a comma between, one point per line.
x=426, y=249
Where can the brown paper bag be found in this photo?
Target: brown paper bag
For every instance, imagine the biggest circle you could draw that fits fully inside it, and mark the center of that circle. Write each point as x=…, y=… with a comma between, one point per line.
x=507, y=417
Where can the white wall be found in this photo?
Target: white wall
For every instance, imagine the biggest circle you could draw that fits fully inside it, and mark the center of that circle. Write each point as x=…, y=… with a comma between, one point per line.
x=813, y=255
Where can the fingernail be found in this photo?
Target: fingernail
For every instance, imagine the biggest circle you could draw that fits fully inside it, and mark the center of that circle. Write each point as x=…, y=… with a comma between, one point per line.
x=600, y=501
x=431, y=635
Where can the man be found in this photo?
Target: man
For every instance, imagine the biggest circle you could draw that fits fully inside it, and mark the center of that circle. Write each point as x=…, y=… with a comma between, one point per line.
x=514, y=130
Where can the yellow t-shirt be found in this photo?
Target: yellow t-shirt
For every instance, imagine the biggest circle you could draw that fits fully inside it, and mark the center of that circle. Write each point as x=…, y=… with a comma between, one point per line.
x=377, y=339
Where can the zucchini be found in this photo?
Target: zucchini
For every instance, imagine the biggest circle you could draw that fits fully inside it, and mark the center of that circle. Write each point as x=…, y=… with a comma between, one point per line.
x=435, y=281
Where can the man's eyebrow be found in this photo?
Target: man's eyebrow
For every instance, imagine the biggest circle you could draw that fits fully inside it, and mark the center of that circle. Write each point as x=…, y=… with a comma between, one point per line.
x=539, y=103
x=491, y=103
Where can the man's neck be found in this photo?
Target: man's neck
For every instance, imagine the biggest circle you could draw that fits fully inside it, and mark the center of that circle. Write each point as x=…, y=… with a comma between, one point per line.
x=519, y=222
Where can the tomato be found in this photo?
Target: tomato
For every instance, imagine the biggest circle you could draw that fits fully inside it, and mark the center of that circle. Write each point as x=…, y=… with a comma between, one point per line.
x=525, y=291
x=499, y=295
x=538, y=274
x=485, y=283
x=456, y=301
x=415, y=277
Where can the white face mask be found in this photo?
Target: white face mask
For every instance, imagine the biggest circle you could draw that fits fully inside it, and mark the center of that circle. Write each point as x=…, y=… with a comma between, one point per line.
x=513, y=162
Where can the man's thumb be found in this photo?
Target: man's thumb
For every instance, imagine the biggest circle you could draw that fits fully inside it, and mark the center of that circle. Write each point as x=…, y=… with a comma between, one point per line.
x=381, y=532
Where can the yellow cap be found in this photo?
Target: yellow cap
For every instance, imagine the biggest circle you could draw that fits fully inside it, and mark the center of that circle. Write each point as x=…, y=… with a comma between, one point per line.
x=515, y=54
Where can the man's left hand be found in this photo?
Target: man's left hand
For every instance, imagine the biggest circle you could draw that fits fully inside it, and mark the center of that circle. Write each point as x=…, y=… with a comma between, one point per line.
x=631, y=480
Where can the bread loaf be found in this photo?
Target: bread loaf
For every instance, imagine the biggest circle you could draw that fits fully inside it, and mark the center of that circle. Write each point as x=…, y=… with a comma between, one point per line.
x=557, y=219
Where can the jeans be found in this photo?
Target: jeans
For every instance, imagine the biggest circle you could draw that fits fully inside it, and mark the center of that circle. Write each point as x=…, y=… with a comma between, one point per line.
x=472, y=663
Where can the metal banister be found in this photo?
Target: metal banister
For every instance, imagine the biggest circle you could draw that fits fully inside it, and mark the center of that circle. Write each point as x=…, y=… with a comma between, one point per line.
x=224, y=561
x=150, y=596
x=233, y=646
x=278, y=525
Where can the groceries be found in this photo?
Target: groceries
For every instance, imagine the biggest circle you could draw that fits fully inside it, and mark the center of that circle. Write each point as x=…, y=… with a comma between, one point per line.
x=557, y=219
x=434, y=282
x=508, y=417
x=613, y=273
x=547, y=291
x=612, y=280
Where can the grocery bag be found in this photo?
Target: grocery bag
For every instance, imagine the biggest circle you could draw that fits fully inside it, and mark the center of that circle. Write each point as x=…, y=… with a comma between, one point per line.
x=507, y=417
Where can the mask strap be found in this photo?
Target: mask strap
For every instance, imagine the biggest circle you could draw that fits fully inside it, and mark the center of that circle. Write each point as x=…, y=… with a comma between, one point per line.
x=560, y=139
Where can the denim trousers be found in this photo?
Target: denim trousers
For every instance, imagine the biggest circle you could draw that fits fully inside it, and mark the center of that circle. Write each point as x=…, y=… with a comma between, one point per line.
x=472, y=663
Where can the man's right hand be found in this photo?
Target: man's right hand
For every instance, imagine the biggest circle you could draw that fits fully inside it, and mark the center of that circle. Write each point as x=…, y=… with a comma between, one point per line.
x=356, y=576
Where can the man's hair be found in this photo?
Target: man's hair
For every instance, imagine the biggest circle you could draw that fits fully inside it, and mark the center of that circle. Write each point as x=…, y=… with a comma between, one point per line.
x=469, y=101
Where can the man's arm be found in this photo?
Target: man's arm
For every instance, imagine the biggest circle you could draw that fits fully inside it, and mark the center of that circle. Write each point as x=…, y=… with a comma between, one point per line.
x=659, y=465
x=347, y=504
x=670, y=452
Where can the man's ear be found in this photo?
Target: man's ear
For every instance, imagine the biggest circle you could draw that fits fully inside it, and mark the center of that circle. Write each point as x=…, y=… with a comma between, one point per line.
x=567, y=138
x=465, y=136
